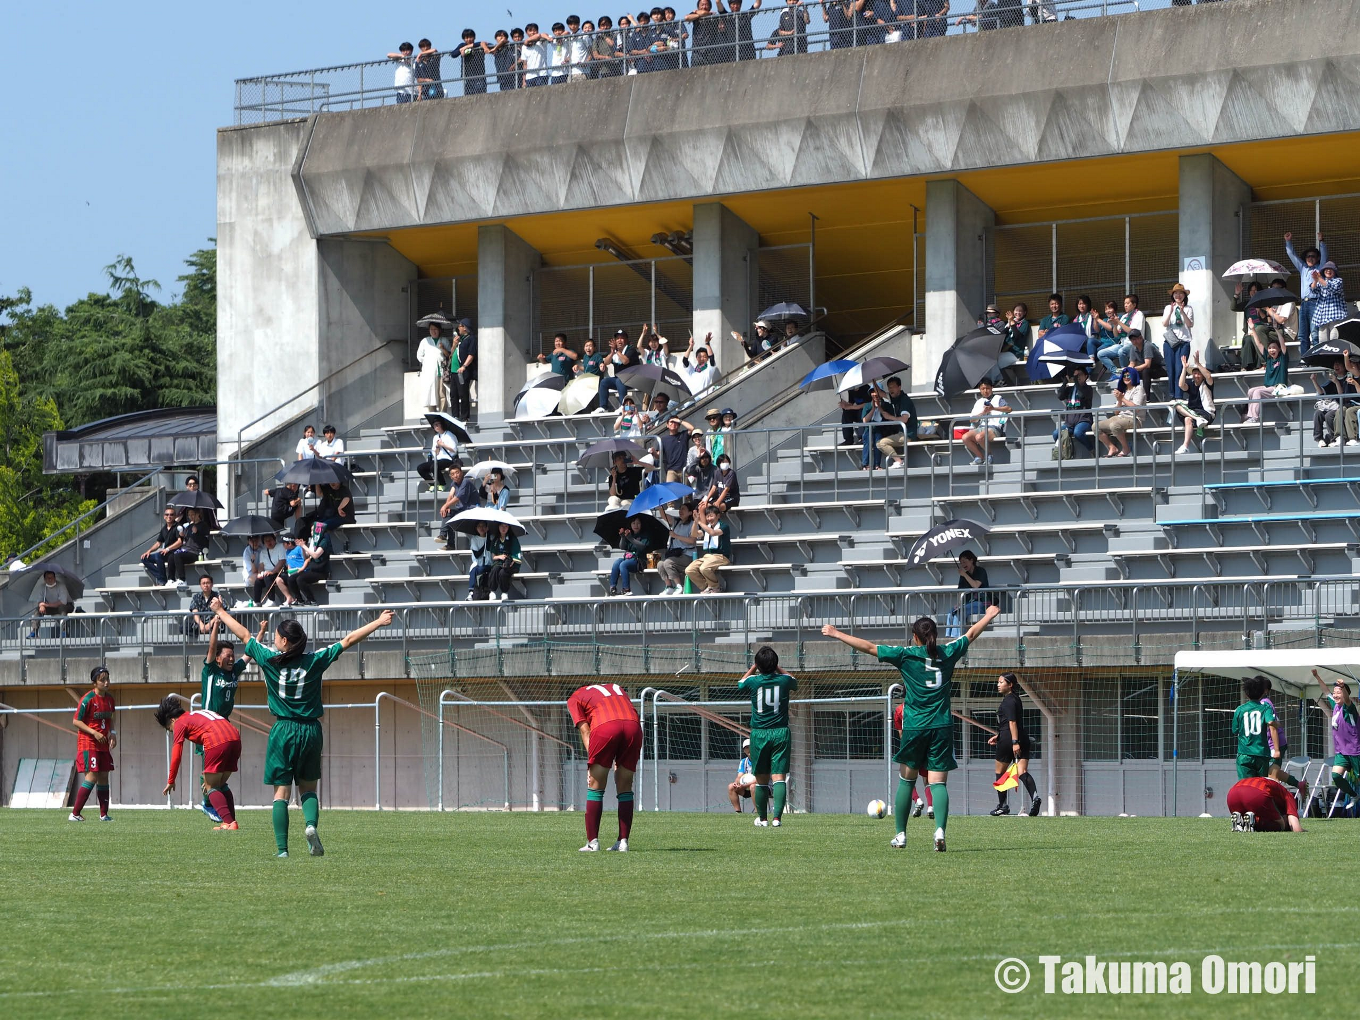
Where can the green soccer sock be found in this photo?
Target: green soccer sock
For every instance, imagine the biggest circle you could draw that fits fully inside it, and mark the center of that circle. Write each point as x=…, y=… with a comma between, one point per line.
x=311, y=807
x=940, y=795
x=1343, y=784
x=1287, y=779
x=781, y=797
x=902, y=803
x=281, y=824
x=761, y=796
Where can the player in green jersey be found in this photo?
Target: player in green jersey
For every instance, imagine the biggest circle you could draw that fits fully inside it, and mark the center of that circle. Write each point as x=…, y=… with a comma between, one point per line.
x=927, y=729
x=220, y=674
x=769, y=690
x=1256, y=730
x=292, y=681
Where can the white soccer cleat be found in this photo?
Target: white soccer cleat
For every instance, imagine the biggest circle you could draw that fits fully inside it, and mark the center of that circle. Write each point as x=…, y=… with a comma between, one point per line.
x=930, y=811
x=939, y=841
x=314, y=846
x=1249, y=822
x=591, y=847
x=775, y=822
x=762, y=824
x=621, y=846
x=73, y=817
x=899, y=841
x=917, y=808
x=1236, y=821
x=106, y=818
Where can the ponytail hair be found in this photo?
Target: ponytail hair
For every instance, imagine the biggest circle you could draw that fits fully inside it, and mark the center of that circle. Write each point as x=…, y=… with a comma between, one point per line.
x=925, y=633
x=291, y=631
x=1013, y=680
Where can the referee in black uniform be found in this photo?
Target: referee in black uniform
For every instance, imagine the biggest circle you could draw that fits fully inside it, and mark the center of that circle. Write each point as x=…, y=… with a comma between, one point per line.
x=1012, y=743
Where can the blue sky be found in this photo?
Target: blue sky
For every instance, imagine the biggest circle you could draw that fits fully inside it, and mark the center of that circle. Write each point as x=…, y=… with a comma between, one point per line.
x=110, y=115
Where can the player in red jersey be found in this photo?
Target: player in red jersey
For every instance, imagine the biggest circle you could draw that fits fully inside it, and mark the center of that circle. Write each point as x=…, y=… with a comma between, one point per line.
x=917, y=802
x=612, y=734
x=1259, y=804
x=221, y=742
x=95, y=740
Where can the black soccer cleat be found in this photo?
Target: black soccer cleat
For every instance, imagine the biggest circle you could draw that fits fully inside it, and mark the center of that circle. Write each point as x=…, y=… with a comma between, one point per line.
x=1034, y=806
x=1001, y=809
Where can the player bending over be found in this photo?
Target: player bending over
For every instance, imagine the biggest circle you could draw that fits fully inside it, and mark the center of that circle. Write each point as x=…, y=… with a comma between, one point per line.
x=292, y=681
x=770, y=741
x=1258, y=736
x=221, y=744
x=95, y=741
x=611, y=733
x=1259, y=804
x=927, y=729
x=1345, y=734
x=739, y=788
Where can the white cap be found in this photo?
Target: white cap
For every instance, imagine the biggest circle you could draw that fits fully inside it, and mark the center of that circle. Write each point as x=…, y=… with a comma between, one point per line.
x=746, y=742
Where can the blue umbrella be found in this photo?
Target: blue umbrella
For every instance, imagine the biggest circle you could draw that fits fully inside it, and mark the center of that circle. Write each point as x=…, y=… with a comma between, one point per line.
x=826, y=371
x=658, y=495
x=1057, y=351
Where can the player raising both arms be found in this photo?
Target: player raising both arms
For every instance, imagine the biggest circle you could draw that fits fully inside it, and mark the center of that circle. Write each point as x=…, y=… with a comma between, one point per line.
x=95, y=742
x=1345, y=733
x=769, y=690
x=221, y=744
x=1258, y=737
x=1259, y=804
x=292, y=680
x=927, y=730
x=612, y=735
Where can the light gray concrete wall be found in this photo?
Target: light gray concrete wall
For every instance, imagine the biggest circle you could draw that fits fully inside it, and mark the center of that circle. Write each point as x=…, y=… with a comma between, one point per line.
x=957, y=273
x=505, y=268
x=1213, y=204
x=723, y=244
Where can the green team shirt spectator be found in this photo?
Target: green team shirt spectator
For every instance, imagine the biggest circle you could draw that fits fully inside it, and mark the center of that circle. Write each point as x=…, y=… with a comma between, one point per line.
x=293, y=685
x=219, y=687
x=926, y=686
x=1250, y=725
x=769, y=696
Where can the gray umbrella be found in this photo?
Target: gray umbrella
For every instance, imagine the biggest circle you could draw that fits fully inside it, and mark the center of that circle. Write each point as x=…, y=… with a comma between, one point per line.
x=30, y=579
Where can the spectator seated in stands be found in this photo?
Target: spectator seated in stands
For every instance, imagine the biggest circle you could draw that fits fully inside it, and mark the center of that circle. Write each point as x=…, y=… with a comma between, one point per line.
x=193, y=540
x=1197, y=408
x=1125, y=327
x=443, y=455
x=1329, y=402
x=875, y=413
x=497, y=493
x=209, y=515
x=261, y=562
x=698, y=447
x=1129, y=397
x=1112, y=350
x=590, y=363
x=335, y=506
x=679, y=548
x=316, y=567
x=294, y=559
x=1077, y=396
x=1056, y=316
x=700, y=476
x=654, y=348
x=464, y=494
x=201, y=615
x=698, y=369
x=738, y=788
x=53, y=600
x=285, y=505
x=973, y=580
x=478, y=573
x=1087, y=319
x=1147, y=359
x=505, y=562
x=155, y=559
x=621, y=355
x=1014, y=347
x=715, y=551
x=725, y=492
x=561, y=359
x=988, y=420
x=792, y=331
x=629, y=422
x=897, y=407
x=331, y=447
x=1344, y=421
x=852, y=413
x=661, y=407
x=633, y=548
x=1276, y=383
x=625, y=482
x=306, y=447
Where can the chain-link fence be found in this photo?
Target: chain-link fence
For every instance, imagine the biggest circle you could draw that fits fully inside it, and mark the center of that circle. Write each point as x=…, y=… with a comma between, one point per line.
x=591, y=302
x=1337, y=218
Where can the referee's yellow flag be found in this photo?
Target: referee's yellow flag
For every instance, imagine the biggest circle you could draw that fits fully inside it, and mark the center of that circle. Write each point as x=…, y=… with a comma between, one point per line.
x=1008, y=780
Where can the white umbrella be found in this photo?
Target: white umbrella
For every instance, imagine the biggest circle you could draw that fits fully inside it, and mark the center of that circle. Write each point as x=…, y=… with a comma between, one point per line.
x=537, y=402
x=466, y=522
x=1256, y=267
x=578, y=394
x=483, y=468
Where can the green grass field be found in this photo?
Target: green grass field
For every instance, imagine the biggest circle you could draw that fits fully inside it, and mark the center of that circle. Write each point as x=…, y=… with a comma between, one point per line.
x=415, y=915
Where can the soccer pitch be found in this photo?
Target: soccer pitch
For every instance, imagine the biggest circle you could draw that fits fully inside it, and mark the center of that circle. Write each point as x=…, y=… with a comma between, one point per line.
x=493, y=915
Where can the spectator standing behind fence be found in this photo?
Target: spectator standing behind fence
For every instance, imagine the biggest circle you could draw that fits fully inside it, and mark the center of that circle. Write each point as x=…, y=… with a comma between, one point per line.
x=428, y=73
x=505, y=57
x=990, y=14
x=168, y=539
x=472, y=58
x=404, y=82
x=1078, y=397
x=1328, y=293
x=674, y=447
x=1129, y=397
x=790, y=36
x=715, y=551
x=1178, y=326
x=533, y=52
x=625, y=482
x=505, y=561
x=1312, y=258
x=1197, y=408
x=604, y=49
x=839, y=17
x=932, y=18
x=679, y=552
x=712, y=33
x=1276, y=382
x=741, y=20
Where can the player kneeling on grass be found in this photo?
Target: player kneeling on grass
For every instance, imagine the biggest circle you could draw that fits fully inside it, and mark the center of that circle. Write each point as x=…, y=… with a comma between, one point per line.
x=1258, y=736
x=612, y=735
x=927, y=729
x=221, y=743
x=1259, y=804
x=292, y=681
x=94, y=745
x=770, y=741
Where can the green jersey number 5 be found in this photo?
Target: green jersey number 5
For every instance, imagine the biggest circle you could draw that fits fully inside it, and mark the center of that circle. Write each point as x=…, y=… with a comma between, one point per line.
x=935, y=677
x=767, y=699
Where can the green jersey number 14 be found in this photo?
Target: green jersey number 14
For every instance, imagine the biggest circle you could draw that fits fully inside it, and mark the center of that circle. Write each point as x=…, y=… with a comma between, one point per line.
x=767, y=699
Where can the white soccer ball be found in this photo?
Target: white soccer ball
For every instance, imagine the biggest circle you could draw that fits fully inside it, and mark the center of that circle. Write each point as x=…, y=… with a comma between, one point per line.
x=748, y=779
x=877, y=809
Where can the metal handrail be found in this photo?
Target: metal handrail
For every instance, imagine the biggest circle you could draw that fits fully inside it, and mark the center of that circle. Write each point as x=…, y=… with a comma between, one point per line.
x=122, y=493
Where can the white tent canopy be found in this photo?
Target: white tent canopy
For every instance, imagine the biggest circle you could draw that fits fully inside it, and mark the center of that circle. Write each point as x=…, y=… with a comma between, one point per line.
x=1291, y=668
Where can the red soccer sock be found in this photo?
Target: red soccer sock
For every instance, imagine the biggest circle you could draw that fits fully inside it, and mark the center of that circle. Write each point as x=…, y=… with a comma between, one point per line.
x=221, y=805
x=103, y=793
x=82, y=795
x=625, y=815
x=930, y=800
x=594, y=809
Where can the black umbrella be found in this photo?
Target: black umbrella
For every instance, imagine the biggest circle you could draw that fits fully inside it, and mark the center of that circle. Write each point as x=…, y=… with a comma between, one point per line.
x=1270, y=297
x=194, y=499
x=601, y=454
x=648, y=377
x=31, y=579
x=969, y=361
x=945, y=538
x=436, y=319
x=314, y=471
x=1323, y=355
x=783, y=311
x=1347, y=330
x=250, y=526
x=608, y=525
x=451, y=424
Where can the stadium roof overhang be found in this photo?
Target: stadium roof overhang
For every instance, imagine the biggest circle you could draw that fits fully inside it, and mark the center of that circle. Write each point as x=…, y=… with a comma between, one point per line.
x=1292, y=668
x=140, y=441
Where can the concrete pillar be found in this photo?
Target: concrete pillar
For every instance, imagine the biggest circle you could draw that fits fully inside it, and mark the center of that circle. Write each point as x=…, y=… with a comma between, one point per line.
x=1213, y=204
x=723, y=246
x=505, y=270
x=958, y=277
